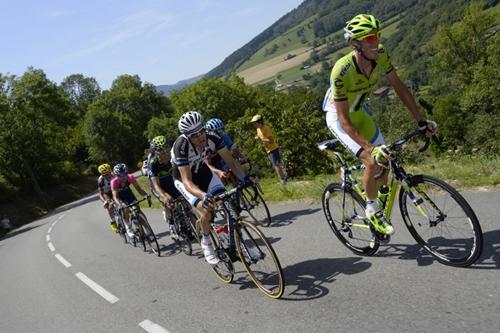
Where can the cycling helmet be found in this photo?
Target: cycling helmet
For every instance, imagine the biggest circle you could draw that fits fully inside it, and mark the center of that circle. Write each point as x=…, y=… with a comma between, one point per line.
x=120, y=169
x=104, y=168
x=190, y=122
x=360, y=26
x=159, y=143
x=214, y=124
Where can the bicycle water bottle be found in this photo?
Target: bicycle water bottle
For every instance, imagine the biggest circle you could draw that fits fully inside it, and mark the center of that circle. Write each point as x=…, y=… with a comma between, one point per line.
x=223, y=233
x=382, y=195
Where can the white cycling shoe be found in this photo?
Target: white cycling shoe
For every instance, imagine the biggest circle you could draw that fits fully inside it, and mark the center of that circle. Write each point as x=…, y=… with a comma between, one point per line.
x=209, y=253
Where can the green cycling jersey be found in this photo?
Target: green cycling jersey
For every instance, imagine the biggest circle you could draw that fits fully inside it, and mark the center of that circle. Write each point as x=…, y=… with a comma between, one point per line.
x=349, y=83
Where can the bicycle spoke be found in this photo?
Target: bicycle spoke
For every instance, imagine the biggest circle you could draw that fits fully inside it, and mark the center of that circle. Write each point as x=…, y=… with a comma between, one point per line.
x=449, y=230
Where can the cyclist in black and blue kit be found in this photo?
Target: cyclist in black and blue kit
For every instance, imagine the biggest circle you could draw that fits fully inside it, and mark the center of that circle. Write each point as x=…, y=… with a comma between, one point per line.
x=159, y=171
x=219, y=166
x=193, y=178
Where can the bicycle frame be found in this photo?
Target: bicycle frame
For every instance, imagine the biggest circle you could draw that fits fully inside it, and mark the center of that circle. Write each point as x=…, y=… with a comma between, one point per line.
x=399, y=178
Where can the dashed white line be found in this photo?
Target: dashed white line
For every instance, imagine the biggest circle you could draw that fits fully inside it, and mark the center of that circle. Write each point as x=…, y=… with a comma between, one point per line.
x=51, y=247
x=47, y=238
x=97, y=288
x=151, y=327
x=50, y=230
x=62, y=260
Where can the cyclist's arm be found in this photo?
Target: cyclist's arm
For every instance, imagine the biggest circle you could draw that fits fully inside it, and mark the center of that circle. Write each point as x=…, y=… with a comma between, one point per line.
x=231, y=162
x=139, y=189
x=116, y=198
x=164, y=196
x=404, y=94
x=218, y=172
x=187, y=181
x=102, y=196
x=346, y=124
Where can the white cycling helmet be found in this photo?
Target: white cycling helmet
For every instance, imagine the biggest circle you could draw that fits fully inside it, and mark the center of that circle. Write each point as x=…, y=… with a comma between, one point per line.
x=190, y=122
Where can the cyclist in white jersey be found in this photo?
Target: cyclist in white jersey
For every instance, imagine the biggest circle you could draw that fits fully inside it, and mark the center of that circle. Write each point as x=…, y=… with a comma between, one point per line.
x=192, y=176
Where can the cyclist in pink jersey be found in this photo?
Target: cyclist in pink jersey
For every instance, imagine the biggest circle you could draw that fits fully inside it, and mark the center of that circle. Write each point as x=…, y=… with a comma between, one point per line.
x=122, y=193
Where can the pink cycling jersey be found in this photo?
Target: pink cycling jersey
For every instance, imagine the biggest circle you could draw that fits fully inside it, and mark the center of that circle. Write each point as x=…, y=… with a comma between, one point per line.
x=117, y=185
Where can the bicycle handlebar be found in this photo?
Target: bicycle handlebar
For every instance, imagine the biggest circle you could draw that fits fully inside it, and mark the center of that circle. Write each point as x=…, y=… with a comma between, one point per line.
x=137, y=202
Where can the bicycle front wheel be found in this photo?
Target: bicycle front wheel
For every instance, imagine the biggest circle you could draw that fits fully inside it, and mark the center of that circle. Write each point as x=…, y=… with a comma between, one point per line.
x=224, y=269
x=254, y=205
x=150, y=238
x=345, y=213
x=442, y=221
x=259, y=259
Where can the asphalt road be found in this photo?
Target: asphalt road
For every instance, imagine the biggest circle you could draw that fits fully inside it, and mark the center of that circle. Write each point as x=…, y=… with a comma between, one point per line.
x=47, y=267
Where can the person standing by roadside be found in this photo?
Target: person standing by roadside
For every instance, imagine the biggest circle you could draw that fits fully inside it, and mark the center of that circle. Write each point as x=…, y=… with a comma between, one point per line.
x=265, y=136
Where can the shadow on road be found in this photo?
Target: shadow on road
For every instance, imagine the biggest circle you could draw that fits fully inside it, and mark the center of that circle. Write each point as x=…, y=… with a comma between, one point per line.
x=306, y=280
x=489, y=259
x=287, y=218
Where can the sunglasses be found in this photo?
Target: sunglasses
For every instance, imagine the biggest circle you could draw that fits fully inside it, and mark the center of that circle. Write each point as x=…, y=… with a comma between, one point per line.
x=197, y=134
x=371, y=38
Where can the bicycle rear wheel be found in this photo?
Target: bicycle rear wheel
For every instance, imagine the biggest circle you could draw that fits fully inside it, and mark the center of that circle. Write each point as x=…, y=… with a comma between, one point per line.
x=254, y=205
x=345, y=213
x=182, y=239
x=224, y=269
x=442, y=221
x=149, y=236
x=259, y=259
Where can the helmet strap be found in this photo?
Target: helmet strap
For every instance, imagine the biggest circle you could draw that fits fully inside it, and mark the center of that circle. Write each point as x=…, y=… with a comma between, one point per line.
x=359, y=48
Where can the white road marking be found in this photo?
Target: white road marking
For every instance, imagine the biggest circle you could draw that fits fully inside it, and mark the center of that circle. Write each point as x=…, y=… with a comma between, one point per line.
x=97, y=288
x=47, y=238
x=151, y=327
x=51, y=247
x=50, y=230
x=62, y=260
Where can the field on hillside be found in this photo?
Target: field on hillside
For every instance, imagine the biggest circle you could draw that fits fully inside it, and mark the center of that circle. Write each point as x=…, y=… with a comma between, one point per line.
x=289, y=42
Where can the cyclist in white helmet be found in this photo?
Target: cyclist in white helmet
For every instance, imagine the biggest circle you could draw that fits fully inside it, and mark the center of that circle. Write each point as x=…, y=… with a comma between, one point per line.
x=193, y=178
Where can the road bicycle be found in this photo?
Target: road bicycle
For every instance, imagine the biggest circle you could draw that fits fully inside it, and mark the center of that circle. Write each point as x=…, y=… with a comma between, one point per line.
x=436, y=215
x=184, y=221
x=252, y=202
x=246, y=243
x=142, y=229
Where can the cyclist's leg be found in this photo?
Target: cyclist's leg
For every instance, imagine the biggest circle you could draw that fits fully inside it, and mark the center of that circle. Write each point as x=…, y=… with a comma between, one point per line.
x=371, y=168
x=127, y=196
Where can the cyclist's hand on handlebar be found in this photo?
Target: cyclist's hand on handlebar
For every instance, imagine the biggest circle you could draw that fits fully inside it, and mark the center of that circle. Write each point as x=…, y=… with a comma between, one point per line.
x=382, y=155
x=427, y=127
x=148, y=198
x=208, y=201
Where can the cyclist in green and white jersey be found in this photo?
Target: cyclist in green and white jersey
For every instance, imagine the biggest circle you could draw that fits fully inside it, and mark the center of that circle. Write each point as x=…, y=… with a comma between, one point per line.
x=353, y=78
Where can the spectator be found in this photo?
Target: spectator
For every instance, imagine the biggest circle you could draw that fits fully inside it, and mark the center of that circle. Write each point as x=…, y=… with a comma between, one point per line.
x=265, y=136
x=5, y=223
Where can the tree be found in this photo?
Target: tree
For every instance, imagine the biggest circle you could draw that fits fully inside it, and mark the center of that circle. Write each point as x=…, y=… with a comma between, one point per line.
x=82, y=91
x=116, y=122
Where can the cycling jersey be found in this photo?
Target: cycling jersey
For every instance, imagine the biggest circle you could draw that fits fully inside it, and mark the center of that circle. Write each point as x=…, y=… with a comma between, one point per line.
x=104, y=184
x=349, y=83
x=164, y=173
x=184, y=153
x=125, y=194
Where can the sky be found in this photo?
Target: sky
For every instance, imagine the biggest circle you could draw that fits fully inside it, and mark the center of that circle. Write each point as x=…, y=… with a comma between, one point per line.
x=162, y=41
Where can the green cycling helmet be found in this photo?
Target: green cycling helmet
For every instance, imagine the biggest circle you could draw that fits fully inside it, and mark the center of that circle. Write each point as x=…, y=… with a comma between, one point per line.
x=159, y=142
x=360, y=26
